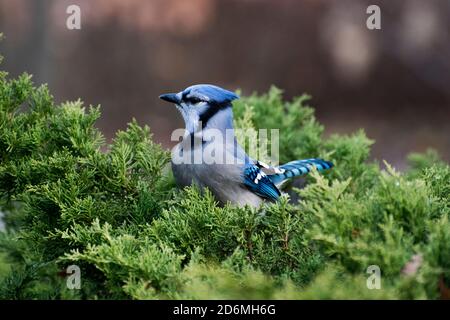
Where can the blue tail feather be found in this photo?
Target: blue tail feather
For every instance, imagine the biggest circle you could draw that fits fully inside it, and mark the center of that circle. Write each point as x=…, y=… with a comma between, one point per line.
x=299, y=168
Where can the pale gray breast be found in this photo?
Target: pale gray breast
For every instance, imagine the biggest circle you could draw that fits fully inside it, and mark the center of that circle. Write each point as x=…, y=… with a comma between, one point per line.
x=224, y=180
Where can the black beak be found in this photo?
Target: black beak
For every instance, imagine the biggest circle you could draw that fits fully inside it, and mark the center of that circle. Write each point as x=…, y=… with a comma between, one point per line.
x=170, y=97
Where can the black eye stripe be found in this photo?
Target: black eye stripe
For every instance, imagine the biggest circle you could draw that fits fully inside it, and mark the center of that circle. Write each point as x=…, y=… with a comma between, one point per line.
x=193, y=100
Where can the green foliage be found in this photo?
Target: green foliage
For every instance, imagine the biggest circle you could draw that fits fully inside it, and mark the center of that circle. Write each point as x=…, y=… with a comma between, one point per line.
x=301, y=134
x=113, y=210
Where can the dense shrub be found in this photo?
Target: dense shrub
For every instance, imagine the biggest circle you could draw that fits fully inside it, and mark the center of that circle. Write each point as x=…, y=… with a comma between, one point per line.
x=112, y=209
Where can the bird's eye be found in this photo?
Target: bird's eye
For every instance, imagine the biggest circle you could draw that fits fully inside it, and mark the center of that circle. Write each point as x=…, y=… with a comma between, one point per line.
x=194, y=100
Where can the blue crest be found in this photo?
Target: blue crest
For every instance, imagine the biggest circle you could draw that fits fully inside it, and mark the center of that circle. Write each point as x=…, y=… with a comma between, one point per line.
x=210, y=93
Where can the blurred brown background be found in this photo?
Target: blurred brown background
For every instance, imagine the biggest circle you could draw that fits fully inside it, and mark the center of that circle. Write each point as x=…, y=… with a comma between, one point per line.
x=394, y=82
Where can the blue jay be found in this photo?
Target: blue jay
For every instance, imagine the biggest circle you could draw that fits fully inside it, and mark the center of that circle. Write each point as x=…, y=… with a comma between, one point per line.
x=242, y=182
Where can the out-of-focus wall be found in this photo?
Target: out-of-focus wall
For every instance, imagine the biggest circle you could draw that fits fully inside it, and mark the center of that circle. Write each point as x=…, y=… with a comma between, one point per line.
x=394, y=82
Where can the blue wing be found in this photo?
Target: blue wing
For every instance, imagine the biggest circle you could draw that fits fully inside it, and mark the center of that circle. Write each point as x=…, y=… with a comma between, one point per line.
x=259, y=183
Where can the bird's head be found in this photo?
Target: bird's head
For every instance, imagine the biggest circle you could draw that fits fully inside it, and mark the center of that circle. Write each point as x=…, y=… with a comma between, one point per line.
x=203, y=104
